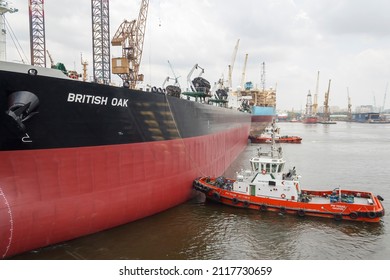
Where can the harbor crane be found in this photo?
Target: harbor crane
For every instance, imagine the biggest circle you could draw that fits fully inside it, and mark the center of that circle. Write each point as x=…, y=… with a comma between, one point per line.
x=315, y=102
x=384, y=98
x=130, y=36
x=37, y=32
x=231, y=66
x=243, y=72
x=101, y=41
x=349, y=106
x=326, y=104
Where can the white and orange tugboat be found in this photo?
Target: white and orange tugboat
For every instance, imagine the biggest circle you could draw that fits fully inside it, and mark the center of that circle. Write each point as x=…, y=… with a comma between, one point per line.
x=267, y=187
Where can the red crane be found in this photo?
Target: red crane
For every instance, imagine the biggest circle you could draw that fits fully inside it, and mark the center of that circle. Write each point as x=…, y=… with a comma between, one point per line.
x=37, y=32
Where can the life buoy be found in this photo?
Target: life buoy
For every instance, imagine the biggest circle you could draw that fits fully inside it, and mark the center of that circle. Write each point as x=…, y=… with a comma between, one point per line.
x=246, y=204
x=235, y=200
x=283, y=196
x=371, y=215
x=263, y=207
x=301, y=213
x=338, y=217
x=353, y=215
x=263, y=171
x=216, y=196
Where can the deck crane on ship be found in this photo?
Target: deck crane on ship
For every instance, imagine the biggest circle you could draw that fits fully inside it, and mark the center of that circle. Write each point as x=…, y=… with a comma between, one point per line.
x=130, y=36
x=198, y=88
x=173, y=90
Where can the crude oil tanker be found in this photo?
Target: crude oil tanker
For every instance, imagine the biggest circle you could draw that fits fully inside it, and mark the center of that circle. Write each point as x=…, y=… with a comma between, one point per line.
x=77, y=157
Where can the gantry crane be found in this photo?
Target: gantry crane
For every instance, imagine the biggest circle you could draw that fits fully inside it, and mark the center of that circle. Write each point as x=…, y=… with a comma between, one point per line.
x=130, y=36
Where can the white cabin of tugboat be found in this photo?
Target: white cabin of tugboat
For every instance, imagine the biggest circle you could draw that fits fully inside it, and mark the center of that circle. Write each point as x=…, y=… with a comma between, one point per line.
x=267, y=178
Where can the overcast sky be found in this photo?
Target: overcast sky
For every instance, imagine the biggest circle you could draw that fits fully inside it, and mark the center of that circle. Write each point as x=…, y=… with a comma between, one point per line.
x=348, y=41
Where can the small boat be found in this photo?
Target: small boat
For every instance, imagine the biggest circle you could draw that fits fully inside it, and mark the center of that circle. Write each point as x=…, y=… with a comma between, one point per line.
x=278, y=139
x=267, y=187
x=269, y=132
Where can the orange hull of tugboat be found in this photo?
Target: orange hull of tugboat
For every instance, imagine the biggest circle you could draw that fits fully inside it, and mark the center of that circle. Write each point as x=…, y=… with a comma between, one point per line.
x=282, y=139
x=366, y=207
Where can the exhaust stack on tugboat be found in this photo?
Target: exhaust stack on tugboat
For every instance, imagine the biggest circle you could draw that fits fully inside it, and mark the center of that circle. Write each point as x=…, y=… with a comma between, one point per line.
x=267, y=187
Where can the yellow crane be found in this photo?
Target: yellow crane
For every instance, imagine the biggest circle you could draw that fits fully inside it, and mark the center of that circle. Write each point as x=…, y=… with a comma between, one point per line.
x=315, y=103
x=231, y=66
x=130, y=36
x=326, y=104
x=243, y=72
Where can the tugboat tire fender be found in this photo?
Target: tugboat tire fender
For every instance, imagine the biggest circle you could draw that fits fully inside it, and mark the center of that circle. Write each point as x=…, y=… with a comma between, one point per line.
x=216, y=196
x=371, y=215
x=282, y=209
x=353, y=215
x=246, y=204
x=206, y=189
x=301, y=213
x=263, y=207
x=338, y=217
x=235, y=200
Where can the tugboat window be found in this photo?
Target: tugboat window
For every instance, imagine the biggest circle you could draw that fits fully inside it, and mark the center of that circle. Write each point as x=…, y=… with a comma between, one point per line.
x=255, y=166
x=268, y=167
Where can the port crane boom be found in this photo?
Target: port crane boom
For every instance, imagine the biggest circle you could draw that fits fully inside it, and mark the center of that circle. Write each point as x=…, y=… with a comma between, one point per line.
x=231, y=66
x=326, y=104
x=130, y=36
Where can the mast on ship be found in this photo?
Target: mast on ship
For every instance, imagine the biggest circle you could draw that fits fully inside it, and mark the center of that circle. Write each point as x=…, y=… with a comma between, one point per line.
x=4, y=8
x=275, y=152
x=309, y=105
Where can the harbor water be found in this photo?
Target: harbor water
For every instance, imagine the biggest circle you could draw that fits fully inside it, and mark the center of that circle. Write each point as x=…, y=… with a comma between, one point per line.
x=347, y=155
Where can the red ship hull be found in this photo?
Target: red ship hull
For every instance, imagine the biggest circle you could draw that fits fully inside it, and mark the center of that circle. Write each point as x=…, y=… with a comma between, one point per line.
x=309, y=120
x=49, y=196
